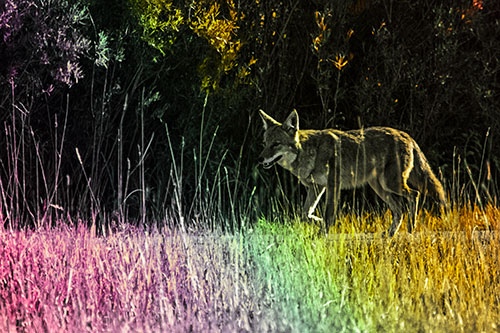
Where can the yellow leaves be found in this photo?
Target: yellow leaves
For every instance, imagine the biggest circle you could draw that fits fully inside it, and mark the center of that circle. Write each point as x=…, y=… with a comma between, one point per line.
x=318, y=40
x=339, y=62
x=324, y=33
x=215, y=21
x=232, y=10
x=349, y=33
x=220, y=31
x=468, y=14
x=252, y=61
x=208, y=83
x=228, y=60
x=382, y=27
x=320, y=21
x=478, y=4
x=160, y=20
x=244, y=71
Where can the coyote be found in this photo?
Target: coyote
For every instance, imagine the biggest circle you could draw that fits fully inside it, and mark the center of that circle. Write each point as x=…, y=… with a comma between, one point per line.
x=387, y=159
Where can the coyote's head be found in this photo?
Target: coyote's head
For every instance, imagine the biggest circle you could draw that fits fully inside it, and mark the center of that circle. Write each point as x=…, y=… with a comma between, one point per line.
x=280, y=140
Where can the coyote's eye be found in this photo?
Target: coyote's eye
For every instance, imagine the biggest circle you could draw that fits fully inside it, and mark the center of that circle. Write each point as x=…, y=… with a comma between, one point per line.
x=274, y=145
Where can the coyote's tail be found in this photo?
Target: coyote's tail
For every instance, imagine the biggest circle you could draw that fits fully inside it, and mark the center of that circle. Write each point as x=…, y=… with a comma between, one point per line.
x=428, y=181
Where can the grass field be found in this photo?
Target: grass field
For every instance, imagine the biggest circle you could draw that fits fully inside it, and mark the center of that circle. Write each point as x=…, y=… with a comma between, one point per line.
x=273, y=277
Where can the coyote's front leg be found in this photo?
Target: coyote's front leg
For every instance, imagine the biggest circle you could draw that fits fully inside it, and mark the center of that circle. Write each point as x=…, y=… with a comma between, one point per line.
x=311, y=202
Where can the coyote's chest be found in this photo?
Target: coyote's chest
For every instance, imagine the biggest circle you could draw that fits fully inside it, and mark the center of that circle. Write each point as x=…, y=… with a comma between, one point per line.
x=309, y=168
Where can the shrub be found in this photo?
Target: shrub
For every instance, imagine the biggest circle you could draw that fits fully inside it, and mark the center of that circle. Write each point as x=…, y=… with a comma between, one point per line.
x=43, y=42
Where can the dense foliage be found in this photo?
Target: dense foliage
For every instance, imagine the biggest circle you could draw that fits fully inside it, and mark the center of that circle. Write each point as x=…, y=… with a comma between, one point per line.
x=123, y=107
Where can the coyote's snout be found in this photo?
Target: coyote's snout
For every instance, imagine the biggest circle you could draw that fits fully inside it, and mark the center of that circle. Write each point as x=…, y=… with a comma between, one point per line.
x=388, y=160
x=270, y=161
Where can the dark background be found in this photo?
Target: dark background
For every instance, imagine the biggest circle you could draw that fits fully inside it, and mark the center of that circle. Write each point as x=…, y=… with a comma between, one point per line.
x=146, y=110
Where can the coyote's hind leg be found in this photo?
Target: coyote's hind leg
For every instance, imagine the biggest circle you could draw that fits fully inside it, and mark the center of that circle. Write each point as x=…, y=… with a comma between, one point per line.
x=392, y=200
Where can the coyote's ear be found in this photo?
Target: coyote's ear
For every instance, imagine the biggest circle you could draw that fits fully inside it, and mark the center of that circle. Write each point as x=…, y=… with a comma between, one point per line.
x=268, y=120
x=292, y=122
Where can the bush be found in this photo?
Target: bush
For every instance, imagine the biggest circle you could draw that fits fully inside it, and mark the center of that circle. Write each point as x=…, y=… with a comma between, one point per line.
x=42, y=43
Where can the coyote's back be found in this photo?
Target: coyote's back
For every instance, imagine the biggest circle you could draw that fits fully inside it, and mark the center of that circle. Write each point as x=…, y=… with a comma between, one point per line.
x=386, y=159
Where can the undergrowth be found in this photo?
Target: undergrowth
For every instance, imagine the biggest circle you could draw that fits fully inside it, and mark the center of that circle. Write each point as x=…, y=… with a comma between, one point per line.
x=274, y=276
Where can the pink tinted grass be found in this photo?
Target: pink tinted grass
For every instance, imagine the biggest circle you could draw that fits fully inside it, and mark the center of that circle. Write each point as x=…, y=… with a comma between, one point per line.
x=71, y=280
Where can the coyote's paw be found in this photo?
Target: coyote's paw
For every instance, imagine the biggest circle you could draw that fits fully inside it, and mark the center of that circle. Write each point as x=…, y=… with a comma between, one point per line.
x=314, y=217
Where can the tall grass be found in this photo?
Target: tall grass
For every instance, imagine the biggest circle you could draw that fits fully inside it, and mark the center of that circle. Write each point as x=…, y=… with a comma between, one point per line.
x=209, y=265
x=70, y=280
x=274, y=277
x=427, y=282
